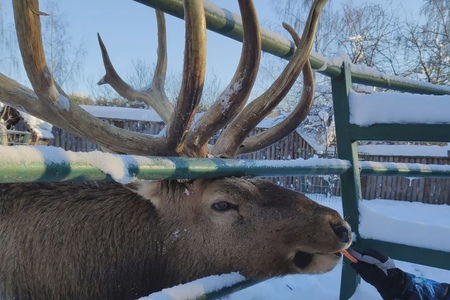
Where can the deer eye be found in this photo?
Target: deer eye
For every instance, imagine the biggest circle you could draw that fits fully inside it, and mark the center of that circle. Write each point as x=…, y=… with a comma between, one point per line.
x=223, y=206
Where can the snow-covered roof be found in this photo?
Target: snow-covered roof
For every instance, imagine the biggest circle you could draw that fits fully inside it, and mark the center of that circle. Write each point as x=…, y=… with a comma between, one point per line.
x=43, y=129
x=316, y=141
x=39, y=127
x=123, y=113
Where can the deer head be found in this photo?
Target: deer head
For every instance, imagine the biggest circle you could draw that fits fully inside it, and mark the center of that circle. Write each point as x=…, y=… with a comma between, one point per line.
x=210, y=204
x=182, y=137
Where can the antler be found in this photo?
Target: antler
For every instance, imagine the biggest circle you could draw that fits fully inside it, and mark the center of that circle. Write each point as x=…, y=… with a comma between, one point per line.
x=181, y=139
x=53, y=105
x=289, y=124
x=232, y=99
x=234, y=135
x=193, y=74
x=155, y=95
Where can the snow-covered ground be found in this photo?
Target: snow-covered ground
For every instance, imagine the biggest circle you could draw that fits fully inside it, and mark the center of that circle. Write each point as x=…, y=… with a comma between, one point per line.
x=400, y=218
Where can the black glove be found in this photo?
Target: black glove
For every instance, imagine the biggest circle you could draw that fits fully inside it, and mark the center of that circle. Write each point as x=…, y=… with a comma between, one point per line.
x=380, y=271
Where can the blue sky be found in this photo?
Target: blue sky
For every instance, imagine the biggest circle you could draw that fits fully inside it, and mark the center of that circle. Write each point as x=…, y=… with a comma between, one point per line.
x=129, y=32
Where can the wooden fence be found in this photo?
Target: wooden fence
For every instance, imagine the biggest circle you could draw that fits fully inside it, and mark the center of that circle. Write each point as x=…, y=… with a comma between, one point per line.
x=426, y=190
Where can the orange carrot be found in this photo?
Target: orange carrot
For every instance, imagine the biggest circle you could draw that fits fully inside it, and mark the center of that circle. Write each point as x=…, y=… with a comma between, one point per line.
x=349, y=256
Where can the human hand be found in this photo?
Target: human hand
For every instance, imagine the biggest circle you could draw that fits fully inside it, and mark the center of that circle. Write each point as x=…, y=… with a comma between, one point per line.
x=379, y=270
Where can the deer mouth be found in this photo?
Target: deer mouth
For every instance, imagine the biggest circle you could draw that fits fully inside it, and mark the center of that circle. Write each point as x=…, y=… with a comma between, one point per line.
x=304, y=259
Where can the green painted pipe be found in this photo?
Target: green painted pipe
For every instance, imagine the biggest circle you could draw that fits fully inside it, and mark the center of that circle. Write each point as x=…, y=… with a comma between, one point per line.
x=228, y=24
x=30, y=164
x=124, y=168
x=403, y=169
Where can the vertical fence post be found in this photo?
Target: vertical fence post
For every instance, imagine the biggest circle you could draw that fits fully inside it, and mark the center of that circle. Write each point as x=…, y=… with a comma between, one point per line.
x=350, y=180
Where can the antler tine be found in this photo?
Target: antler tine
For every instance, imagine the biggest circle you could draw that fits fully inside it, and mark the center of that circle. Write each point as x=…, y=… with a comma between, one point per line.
x=234, y=135
x=193, y=75
x=290, y=123
x=52, y=104
x=161, y=64
x=154, y=96
x=236, y=94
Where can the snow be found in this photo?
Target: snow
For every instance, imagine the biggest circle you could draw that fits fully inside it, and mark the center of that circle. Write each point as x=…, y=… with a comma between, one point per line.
x=120, y=166
x=368, y=167
x=369, y=109
x=363, y=70
x=378, y=217
x=306, y=163
x=41, y=128
x=198, y=287
x=117, y=166
x=63, y=102
x=122, y=113
x=405, y=150
x=415, y=224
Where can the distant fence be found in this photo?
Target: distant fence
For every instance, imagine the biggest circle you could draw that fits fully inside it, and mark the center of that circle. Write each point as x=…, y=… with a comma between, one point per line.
x=72, y=142
x=426, y=190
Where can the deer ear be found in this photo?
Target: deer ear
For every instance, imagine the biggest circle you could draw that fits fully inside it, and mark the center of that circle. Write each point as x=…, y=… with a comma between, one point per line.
x=149, y=190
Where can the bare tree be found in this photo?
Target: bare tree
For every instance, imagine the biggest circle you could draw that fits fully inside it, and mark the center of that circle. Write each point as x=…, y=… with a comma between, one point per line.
x=65, y=60
x=8, y=44
x=427, y=45
x=141, y=76
x=366, y=33
x=369, y=34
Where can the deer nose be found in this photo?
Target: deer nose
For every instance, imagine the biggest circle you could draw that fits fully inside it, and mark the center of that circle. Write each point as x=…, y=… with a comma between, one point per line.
x=342, y=232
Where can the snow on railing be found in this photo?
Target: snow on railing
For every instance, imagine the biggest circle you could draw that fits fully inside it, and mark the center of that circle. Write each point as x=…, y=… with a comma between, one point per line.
x=43, y=163
x=398, y=108
x=40, y=163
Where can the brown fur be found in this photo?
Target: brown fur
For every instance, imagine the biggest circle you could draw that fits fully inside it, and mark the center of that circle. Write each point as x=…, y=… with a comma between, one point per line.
x=103, y=241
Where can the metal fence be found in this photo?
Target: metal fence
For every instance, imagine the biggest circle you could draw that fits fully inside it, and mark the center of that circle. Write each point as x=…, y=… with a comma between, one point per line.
x=426, y=190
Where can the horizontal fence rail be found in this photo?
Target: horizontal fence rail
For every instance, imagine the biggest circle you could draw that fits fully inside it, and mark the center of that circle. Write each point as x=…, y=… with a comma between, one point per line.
x=37, y=164
x=229, y=24
x=403, y=169
x=30, y=164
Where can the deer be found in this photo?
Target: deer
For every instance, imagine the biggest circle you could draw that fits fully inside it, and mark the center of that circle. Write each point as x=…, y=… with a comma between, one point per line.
x=107, y=240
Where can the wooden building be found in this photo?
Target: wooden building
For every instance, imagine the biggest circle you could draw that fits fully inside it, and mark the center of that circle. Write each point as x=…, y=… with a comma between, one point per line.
x=20, y=128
